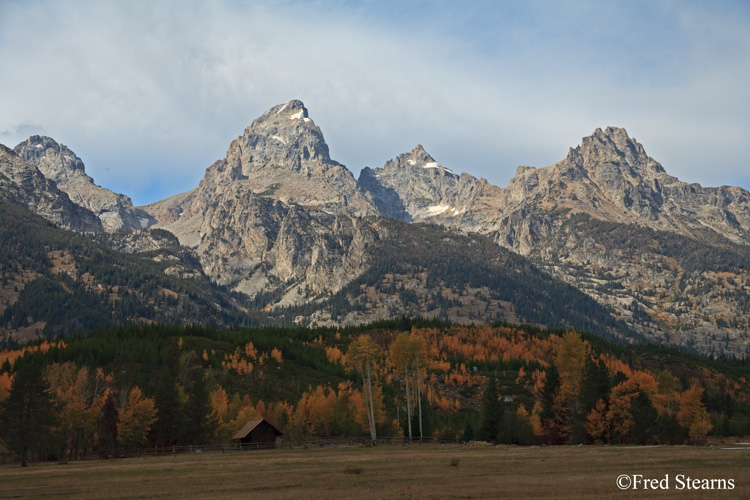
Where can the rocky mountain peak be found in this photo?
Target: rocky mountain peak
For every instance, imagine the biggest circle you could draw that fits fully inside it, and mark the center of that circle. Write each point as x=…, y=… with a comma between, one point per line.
x=56, y=161
x=21, y=182
x=418, y=155
x=417, y=162
x=612, y=146
x=284, y=136
x=61, y=165
x=294, y=109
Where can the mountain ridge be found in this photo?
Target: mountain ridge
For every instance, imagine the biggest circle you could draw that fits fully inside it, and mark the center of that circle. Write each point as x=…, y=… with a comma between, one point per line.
x=278, y=218
x=61, y=165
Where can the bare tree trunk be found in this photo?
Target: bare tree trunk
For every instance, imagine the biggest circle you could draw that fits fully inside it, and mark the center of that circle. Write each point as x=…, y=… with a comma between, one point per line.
x=408, y=396
x=373, y=432
x=419, y=399
x=367, y=402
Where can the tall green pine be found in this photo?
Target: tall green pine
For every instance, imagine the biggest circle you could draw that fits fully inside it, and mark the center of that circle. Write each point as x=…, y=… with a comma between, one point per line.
x=200, y=426
x=27, y=414
x=492, y=411
x=169, y=428
x=108, y=428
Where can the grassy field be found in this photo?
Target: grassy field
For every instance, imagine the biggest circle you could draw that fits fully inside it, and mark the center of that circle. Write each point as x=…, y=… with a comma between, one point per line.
x=416, y=471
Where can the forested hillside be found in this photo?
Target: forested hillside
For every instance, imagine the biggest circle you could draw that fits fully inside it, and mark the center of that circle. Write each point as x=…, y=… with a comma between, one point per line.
x=55, y=281
x=161, y=385
x=423, y=270
x=670, y=288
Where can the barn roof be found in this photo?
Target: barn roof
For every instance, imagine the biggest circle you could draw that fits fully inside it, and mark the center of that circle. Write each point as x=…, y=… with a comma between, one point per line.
x=248, y=428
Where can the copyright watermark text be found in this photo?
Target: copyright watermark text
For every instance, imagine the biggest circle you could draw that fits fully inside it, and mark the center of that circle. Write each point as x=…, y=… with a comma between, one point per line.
x=676, y=482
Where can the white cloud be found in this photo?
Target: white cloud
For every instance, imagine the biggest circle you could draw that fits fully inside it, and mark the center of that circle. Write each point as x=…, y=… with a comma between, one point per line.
x=150, y=95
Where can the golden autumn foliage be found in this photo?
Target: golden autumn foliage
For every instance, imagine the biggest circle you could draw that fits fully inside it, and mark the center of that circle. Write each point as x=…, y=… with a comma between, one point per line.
x=276, y=355
x=219, y=403
x=335, y=355
x=570, y=360
x=11, y=355
x=250, y=351
x=597, y=422
x=450, y=369
x=487, y=343
x=693, y=415
x=6, y=381
x=136, y=418
x=79, y=396
x=235, y=362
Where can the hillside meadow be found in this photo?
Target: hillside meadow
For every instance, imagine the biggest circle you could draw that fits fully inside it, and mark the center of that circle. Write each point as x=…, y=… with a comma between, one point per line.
x=390, y=471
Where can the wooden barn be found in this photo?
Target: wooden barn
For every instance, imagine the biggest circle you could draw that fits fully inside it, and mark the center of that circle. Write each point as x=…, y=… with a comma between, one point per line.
x=256, y=435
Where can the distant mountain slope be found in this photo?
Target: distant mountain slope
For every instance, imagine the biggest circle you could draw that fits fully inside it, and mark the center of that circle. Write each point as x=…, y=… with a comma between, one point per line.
x=56, y=281
x=276, y=213
x=22, y=183
x=609, y=176
x=664, y=257
x=283, y=223
x=670, y=288
x=58, y=163
x=427, y=271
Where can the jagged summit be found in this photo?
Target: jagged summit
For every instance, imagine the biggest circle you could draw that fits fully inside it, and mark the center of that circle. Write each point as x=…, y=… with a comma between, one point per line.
x=294, y=110
x=22, y=183
x=418, y=158
x=36, y=148
x=419, y=155
x=415, y=187
x=284, y=136
x=276, y=212
x=613, y=146
x=61, y=165
x=283, y=155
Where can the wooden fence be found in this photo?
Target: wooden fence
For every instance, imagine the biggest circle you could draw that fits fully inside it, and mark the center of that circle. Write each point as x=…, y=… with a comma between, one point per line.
x=361, y=442
x=312, y=443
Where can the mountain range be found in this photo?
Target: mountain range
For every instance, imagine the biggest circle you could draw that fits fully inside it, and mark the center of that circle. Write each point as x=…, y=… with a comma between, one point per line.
x=277, y=231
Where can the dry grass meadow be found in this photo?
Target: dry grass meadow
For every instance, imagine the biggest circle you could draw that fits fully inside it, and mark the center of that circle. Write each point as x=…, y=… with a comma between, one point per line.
x=415, y=471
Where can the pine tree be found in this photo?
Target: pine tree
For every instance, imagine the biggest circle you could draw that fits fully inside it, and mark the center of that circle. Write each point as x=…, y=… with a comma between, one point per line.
x=643, y=430
x=492, y=411
x=108, y=427
x=169, y=427
x=27, y=415
x=200, y=423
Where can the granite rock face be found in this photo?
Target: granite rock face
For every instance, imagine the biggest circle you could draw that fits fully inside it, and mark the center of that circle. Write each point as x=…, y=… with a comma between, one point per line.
x=280, y=221
x=283, y=156
x=413, y=187
x=609, y=177
x=23, y=184
x=563, y=216
x=277, y=215
x=59, y=164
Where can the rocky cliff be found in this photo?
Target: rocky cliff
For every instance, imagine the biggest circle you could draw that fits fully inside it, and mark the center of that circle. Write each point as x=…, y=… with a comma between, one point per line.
x=280, y=221
x=661, y=274
x=415, y=188
x=59, y=164
x=610, y=177
x=277, y=215
x=22, y=183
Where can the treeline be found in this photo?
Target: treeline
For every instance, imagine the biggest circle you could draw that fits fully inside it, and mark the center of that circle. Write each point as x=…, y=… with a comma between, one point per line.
x=586, y=399
x=135, y=386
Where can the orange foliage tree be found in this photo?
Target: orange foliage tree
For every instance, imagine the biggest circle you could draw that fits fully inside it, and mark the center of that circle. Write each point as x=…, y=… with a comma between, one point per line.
x=136, y=418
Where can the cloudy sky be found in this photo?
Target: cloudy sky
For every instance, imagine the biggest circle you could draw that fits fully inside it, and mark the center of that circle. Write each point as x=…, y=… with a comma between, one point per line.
x=149, y=94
